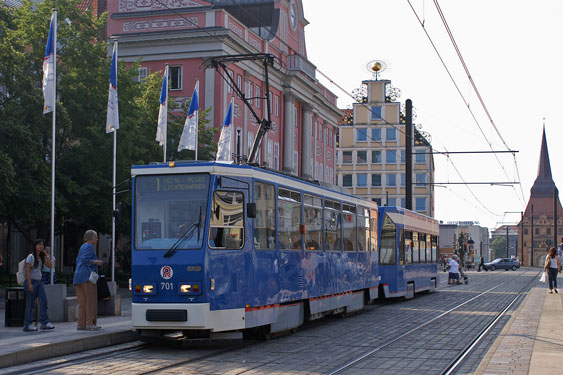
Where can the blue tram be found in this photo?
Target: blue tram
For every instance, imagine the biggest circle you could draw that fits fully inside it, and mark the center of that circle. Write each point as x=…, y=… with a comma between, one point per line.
x=218, y=249
x=408, y=257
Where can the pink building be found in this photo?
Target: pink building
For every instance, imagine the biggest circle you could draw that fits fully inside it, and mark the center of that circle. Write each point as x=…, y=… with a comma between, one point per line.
x=184, y=33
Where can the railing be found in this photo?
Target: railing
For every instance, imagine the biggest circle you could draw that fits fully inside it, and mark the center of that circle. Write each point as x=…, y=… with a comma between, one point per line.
x=299, y=63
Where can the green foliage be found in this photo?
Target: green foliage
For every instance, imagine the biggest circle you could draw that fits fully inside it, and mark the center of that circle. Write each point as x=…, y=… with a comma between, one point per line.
x=499, y=246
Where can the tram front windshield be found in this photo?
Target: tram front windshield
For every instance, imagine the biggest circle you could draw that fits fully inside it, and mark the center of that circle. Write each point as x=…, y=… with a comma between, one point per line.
x=170, y=211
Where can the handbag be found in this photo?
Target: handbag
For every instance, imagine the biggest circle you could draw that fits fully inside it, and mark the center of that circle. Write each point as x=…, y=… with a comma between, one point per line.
x=542, y=278
x=93, y=277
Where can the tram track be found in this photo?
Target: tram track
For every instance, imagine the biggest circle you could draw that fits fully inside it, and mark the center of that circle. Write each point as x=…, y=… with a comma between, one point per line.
x=458, y=360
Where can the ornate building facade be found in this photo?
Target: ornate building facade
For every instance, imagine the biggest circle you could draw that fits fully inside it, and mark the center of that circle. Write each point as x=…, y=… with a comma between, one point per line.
x=542, y=212
x=371, y=153
x=185, y=33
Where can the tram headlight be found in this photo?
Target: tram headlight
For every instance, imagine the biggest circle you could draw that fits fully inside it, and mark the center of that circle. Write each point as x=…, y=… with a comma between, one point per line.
x=185, y=288
x=148, y=289
x=191, y=288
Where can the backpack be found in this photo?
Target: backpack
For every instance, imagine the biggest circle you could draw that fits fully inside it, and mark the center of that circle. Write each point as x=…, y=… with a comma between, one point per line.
x=20, y=275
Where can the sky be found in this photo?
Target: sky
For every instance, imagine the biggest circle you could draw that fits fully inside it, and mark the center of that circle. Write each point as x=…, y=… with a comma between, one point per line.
x=513, y=51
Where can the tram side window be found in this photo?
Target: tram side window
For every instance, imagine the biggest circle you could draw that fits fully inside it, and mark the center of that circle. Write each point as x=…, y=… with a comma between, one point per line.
x=332, y=227
x=349, y=227
x=428, y=249
x=226, y=225
x=422, y=246
x=373, y=231
x=313, y=220
x=415, y=251
x=265, y=222
x=408, y=247
x=363, y=229
x=289, y=219
x=434, y=249
x=387, y=255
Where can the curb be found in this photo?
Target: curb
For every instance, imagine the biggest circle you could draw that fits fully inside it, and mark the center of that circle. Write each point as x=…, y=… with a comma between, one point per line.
x=66, y=347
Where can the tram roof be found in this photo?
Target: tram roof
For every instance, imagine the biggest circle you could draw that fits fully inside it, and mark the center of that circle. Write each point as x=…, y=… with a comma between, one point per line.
x=267, y=175
x=412, y=220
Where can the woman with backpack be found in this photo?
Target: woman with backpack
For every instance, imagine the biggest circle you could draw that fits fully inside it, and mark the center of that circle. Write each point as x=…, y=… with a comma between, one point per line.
x=34, y=288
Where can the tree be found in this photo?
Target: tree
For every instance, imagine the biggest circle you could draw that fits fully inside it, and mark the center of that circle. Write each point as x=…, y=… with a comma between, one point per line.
x=499, y=246
x=462, y=245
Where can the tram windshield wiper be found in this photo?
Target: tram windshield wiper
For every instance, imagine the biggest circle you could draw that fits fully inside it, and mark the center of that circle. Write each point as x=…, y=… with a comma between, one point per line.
x=188, y=234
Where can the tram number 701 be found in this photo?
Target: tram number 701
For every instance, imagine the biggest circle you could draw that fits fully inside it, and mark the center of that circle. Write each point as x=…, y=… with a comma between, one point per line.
x=166, y=285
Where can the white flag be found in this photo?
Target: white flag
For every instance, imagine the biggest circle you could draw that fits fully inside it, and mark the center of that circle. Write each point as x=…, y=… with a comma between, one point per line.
x=163, y=113
x=49, y=68
x=188, y=140
x=112, y=121
x=224, y=152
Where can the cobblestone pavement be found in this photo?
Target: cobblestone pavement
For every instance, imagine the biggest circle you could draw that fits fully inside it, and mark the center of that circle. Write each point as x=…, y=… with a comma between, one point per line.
x=324, y=346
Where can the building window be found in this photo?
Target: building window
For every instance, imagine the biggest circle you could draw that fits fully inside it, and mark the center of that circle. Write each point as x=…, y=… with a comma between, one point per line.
x=537, y=230
x=346, y=157
x=347, y=180
x=420, y=180
x=376, y=113
x=403, y=180
x=377, y=201
x=375, y=180
x=403, y=158
x=250, y=93
x=391, y=180
x=376, y=134
x=326, y=137
x=390, y=156
x=525, y=230
x=362, y=180
x=276, y=155
x=361, y=135
x=175, y=77
x=420, y=204
x=229, y=83
x=548, y=230
x=420, y=157
x=392, y=201
x=390, y=134
x=276, y=105
x=362, y=157
x=239, y=82
x=142, y=74
x=376, y=157
x=258, y=98
x=270, y=151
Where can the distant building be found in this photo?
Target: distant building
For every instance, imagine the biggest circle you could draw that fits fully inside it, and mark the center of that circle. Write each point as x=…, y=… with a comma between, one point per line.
x=449, y=235
x=509, y=233
x=371, y=153
x=540, y=231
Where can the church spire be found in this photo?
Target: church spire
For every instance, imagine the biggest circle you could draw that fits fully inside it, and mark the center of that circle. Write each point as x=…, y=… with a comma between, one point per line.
x=544, y=185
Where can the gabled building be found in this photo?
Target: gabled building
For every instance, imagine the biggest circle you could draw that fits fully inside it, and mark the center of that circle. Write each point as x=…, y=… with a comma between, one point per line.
x=371, y=153
x=186, y=33
x=543, y=219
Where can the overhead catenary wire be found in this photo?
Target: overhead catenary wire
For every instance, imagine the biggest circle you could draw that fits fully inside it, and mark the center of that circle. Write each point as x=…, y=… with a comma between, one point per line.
x=407, y=136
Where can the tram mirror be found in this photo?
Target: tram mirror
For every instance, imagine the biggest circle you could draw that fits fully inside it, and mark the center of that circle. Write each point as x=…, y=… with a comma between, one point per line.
x=251, y=210
x=217, y=212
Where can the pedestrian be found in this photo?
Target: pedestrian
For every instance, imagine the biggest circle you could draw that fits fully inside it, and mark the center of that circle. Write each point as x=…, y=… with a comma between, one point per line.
x=46, y=271
x=34, y=288
x=552, y=266
x=481, y=264
x=453, y=275
x=86, y=292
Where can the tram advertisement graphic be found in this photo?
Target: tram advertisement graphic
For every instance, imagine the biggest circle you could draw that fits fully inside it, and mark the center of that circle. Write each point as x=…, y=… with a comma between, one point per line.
x=166, y=272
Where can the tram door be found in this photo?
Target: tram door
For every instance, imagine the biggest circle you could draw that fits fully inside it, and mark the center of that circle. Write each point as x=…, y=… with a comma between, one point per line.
x=229, y=260
x=401, y=282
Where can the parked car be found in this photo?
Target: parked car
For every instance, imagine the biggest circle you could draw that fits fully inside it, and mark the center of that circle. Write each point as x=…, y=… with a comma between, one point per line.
x=502, y=263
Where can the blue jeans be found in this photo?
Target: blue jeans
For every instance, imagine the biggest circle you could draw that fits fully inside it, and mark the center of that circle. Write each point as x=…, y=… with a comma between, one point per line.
x=38, y=292
x=552, y=277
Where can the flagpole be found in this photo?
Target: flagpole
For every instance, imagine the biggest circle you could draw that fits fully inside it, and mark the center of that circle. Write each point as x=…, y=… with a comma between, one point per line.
x=166, y=109
x=53, y=144
x=197, y=123
x=113, y=191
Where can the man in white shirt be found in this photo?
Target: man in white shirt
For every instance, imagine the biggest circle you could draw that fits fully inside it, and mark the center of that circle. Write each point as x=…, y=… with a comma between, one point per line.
x=453, y=275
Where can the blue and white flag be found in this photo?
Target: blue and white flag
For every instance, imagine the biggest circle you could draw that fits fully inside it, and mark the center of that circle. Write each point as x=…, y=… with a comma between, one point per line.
x=224, y=148
x=112, y=122
x=163, y=113
x=188, y=140
x=49, y=68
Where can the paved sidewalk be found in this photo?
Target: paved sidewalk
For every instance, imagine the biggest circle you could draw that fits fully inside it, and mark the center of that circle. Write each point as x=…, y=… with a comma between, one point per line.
x=17, y=346
x=532, y=342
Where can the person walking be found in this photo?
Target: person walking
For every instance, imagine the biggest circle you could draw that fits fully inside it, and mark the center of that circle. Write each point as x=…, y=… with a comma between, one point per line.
x=453, y=275
x=481, y=263
x=552, y=266
x=34, y=288
x=86, y=292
